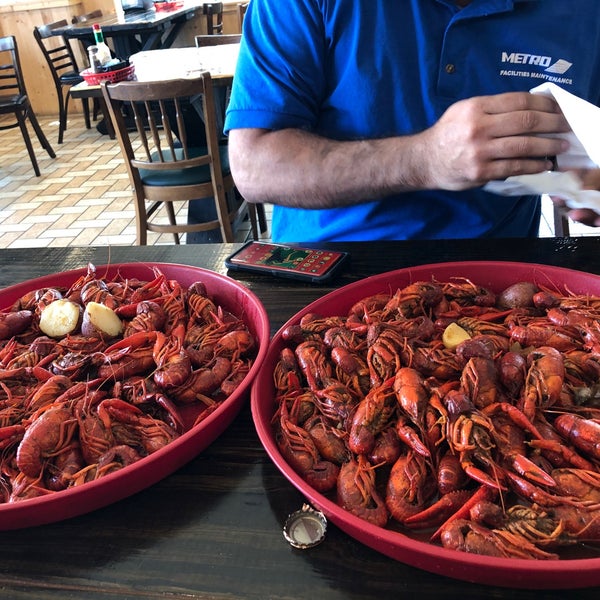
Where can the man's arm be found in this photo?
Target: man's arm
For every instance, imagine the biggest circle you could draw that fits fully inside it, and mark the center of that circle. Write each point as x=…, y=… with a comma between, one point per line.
x=475, y=141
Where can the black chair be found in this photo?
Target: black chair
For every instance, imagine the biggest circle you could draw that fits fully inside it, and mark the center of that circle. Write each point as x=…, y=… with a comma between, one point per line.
x=64, y=70
x=213, y=12
x=14, y=100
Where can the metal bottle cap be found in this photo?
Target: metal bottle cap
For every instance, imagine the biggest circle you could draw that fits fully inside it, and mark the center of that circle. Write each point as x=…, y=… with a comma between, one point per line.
x=305, y=528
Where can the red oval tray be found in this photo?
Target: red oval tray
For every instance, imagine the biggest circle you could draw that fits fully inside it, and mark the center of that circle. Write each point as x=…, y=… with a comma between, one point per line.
x=71, y=502
x=516, y=573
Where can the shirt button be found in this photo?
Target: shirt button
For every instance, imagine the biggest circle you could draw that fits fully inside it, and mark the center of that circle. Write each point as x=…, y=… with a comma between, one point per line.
x=450, y=68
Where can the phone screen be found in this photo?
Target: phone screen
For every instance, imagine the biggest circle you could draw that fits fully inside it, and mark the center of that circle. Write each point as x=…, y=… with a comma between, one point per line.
x=304, y=263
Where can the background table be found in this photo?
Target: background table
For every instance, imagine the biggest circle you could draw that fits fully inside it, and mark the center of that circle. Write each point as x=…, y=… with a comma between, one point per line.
x=134, y=31
x=213, y=529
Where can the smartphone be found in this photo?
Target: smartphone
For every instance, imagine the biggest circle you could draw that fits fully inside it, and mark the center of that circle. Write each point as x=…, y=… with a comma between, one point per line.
x=305, y=264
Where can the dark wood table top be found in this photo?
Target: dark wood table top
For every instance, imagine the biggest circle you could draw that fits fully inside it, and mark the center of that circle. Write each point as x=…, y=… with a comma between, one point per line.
x=213, y=529
x=134, y=31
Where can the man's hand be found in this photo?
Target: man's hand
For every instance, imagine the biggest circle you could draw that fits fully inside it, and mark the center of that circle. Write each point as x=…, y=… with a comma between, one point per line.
x=493, y=137
x=590, y=179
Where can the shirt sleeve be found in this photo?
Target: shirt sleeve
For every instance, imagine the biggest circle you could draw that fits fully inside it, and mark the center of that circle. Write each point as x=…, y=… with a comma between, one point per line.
x=279, y=78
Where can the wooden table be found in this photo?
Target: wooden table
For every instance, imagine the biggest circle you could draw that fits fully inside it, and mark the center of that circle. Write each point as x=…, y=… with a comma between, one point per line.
x=171, y=63
x=135, y=31
x=213, y=529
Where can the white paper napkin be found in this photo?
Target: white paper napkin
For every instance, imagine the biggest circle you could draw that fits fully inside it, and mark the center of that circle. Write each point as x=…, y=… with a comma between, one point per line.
x=583, y=153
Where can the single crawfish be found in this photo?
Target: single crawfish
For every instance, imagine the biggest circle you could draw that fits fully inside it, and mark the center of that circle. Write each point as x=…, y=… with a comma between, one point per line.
x=150, y=316
x=287, y=374
x=563, y=340
x=464, y=292
x=314, y=362
x=173, y=364
x=372, y=416
x=476, y=326
x=174, y=303
x=299, y=449
x=410, y=486
x=328, y=440
x=412, y=395
x=468, y=536
x=351, y=369
x=584, y=434
x=479, y=380
x=130, y=422
x=469, y=435
x=433, y=360
x=415, y=299
x=368, y=310
x=357, y=492
x=48, y=434
x=129, y=356
x=544, y=381
x=203, y=383
x=383, y=355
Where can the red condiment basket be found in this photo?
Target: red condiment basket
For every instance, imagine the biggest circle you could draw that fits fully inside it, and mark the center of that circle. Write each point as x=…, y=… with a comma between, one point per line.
x=165, y=6
x=125, y=74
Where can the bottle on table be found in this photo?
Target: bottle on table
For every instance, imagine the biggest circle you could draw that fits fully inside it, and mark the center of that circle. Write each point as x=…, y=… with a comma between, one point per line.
x=95, y=65
x=103, y=53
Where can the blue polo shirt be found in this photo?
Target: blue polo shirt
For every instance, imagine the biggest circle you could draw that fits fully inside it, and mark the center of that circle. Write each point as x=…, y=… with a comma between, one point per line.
x=352, y=69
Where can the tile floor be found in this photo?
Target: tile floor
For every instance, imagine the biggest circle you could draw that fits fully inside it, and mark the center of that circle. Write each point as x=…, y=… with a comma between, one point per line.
x=83, y=197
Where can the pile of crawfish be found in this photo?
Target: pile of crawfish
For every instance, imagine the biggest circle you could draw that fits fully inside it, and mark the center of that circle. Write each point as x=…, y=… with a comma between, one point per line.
x=491, y=446
x=75, y=409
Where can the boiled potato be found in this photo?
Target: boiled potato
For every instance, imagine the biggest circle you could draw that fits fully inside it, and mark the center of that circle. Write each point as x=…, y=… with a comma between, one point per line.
x=518, y=295
x=60, y=318
x=100, y=321
x=453, y=335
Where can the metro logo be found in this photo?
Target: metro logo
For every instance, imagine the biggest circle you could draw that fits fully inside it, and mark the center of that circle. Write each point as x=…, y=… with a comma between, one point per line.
x=518, y=58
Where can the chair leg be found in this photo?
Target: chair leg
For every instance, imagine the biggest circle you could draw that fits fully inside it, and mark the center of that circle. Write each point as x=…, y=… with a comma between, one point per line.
x=262, y=218
x=561, y=223
x=40, y=134
x=253, y=220
x=86, y=112
x=106, y=117
x=62, y=114
x=21, y=116
x=96, y=108
x=171, y=213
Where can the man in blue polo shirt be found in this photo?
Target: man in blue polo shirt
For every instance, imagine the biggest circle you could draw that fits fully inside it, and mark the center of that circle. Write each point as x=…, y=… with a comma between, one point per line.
x=383, y=119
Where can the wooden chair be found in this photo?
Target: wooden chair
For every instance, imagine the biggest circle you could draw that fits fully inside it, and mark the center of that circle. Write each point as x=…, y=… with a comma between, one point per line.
x=242, y=7
x=213, y=12
x=14, y=100
x=233, y=38
x=162, y=167
x=64, y=70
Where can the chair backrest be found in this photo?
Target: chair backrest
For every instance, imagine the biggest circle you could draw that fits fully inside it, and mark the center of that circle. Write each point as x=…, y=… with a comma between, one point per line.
x=56, y=50
x=11, y=76
x=91, y=16
x=157, y=155
x=213, y=11
x=217, y=39
x=242, y=7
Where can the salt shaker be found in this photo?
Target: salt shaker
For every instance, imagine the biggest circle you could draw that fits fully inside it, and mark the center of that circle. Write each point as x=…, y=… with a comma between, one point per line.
x=95, y=65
